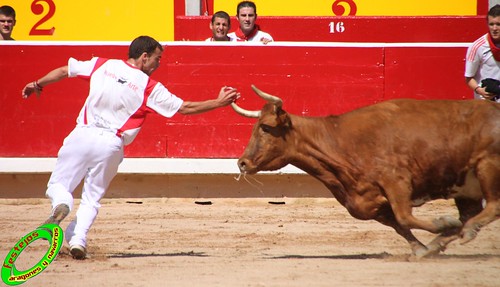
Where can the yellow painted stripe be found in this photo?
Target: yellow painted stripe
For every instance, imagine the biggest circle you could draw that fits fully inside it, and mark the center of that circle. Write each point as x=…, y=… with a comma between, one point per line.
x=362, y=7
x=94, y=20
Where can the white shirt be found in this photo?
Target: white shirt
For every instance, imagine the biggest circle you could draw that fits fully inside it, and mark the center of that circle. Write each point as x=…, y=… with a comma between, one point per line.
x=479, y=62
x=256, y=38
x=120, y=96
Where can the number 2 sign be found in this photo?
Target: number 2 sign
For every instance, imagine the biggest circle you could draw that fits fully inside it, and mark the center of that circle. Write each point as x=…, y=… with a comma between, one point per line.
x=39, y=9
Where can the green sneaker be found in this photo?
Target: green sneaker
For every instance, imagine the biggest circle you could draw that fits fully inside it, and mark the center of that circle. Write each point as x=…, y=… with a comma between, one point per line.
x=59, y=213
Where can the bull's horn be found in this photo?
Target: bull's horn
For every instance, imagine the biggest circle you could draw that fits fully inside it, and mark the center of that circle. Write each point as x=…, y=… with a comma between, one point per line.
x=270, y=98
x=245, y=113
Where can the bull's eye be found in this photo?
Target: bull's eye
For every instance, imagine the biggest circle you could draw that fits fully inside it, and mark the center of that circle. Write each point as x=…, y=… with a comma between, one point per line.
x=273, y=131
x=265, y=128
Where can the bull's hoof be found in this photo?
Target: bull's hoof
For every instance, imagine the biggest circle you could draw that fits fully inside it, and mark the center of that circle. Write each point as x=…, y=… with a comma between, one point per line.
x=447, y=222
x=439, y=244
x=434, y=249
x=427, y=251
x=422, y=253
x=468, y=235
x=418, y=251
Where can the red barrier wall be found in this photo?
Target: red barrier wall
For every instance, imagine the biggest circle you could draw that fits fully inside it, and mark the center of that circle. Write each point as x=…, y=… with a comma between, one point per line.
x=348, y=28
x=312, y=80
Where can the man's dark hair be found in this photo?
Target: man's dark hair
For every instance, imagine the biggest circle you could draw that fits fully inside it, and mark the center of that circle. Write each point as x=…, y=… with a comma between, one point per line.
x=8, y=11
x=223, y=15
x=494, y=11
x=246, y=4
x=143, y=44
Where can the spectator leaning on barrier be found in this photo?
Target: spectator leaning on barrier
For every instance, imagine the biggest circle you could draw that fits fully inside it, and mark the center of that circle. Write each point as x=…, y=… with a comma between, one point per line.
x=7, y=22
x=121, y=95
x=482, y=63
x=220, y=25
x=246, y=13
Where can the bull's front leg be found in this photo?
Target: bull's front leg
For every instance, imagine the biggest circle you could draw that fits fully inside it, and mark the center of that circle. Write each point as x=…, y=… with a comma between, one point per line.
x=386, y=217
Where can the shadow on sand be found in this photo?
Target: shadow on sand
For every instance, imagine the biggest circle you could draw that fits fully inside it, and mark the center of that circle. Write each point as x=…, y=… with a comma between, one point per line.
x=388, y=256
x=179, y=254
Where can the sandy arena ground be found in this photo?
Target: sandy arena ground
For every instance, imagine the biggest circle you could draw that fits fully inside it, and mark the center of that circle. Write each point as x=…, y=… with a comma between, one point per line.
x=246, y=242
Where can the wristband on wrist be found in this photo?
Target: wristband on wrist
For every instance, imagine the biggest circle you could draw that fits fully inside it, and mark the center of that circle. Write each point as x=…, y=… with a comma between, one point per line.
x=475, y=90
x=37, y=86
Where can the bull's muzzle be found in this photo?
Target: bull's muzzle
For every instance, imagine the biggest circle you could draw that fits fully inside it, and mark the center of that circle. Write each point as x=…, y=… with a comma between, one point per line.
x=243, y=165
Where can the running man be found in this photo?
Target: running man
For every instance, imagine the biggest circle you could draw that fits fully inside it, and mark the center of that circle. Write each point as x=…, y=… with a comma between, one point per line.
x=121, y=95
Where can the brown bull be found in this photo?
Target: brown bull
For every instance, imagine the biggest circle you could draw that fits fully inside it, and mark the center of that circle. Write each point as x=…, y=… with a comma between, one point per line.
x=380, y=161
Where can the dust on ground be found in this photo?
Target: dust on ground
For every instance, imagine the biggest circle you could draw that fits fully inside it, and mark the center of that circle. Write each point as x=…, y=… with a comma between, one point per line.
x=246, y=242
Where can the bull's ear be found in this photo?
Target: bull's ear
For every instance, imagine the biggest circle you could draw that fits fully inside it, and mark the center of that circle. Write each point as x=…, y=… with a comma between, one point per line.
x=282, y=117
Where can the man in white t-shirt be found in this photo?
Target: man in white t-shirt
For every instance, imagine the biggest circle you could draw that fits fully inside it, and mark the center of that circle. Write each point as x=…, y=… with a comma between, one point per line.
x=220, y=25
x=120, y=97
x=246, y=13
x=7, y=22
x=483, y=58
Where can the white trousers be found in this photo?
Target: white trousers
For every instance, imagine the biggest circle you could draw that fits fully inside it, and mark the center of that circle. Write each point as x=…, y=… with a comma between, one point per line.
x=89, y=154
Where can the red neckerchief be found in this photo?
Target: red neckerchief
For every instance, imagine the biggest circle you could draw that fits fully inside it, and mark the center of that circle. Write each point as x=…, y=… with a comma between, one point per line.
x=494, y=49
x=242, y=37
